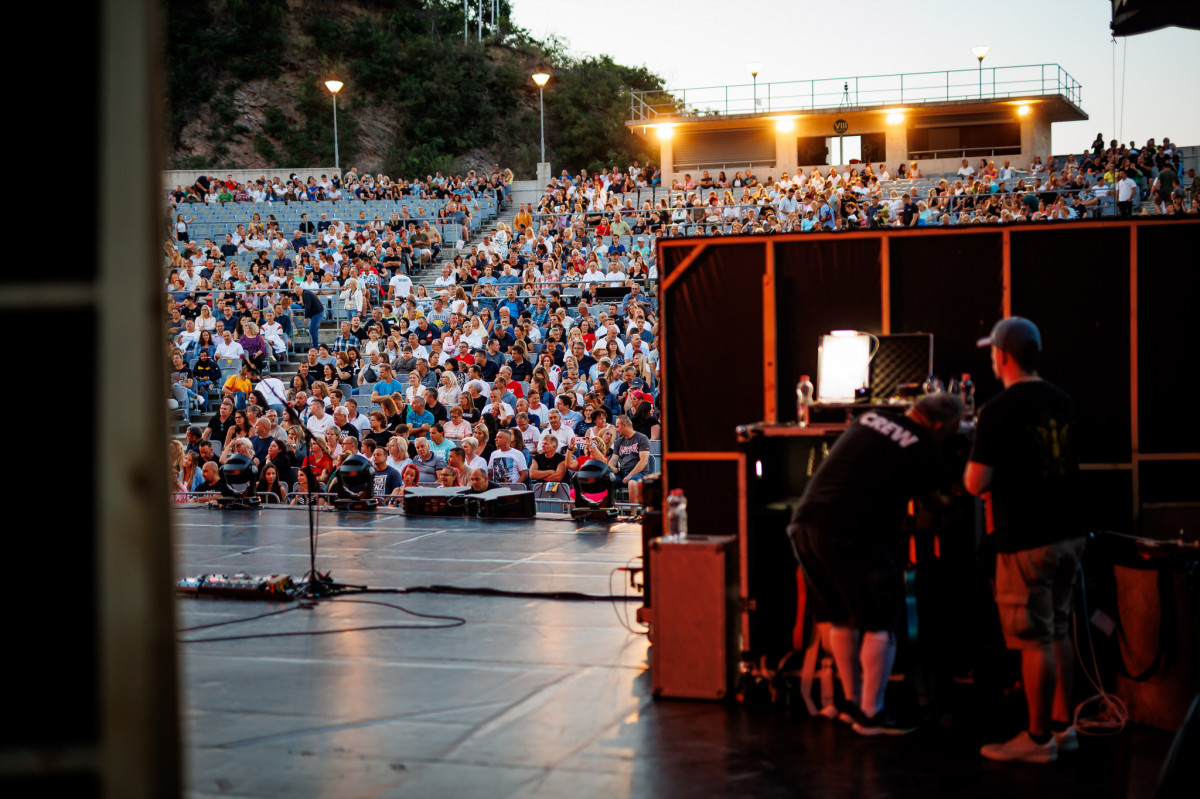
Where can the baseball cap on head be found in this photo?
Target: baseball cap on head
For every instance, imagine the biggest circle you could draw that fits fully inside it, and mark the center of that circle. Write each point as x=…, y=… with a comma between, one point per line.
x=1013, y=335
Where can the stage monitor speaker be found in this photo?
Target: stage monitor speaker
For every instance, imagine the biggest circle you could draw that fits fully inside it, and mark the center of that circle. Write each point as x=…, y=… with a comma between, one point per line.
x=502, y=503
x=904, y=358
x=695, y=651
x=435, y=501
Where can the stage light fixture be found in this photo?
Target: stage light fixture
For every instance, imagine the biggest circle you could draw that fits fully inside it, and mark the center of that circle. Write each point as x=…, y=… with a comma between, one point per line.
x=843, y=358
x=355, y=485
x=239, y=487
x=594, y=478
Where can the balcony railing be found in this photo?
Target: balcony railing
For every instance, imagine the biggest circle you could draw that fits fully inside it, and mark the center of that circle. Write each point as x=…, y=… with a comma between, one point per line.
x=863, y=91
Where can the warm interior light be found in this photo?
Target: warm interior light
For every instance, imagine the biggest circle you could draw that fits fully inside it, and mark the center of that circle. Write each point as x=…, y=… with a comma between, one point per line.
x=540, y=78
x=979, y=51
x=842, y=362
x=334, y=86
x=1023, y=110
x=665, y=131
x=785, y=125
x=895, y=118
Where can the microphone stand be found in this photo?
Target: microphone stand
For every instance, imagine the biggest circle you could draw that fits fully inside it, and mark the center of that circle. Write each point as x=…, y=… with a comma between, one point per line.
x=315, y=584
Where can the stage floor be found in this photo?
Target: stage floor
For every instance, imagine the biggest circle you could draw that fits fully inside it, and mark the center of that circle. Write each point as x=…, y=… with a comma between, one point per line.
x=530, y=697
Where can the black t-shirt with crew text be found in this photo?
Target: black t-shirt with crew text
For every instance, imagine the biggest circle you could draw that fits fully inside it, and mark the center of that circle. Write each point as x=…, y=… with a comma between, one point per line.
x=862, y=487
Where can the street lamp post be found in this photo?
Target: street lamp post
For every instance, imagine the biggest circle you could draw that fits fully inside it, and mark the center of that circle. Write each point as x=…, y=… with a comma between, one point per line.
x=334, y=87
x=540, y=79
x=980, y=51
x=755, y=67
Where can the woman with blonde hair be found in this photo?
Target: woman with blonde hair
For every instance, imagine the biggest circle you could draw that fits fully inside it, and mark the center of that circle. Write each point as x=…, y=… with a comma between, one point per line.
x=353, y=298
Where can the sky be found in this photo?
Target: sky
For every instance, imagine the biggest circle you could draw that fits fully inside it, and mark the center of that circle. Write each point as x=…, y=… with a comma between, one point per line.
x=692, y=43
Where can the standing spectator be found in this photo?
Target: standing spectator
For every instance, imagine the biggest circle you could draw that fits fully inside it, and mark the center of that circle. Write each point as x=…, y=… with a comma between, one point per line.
x=1024, y=458
x=314, y=312
x=1126, y=190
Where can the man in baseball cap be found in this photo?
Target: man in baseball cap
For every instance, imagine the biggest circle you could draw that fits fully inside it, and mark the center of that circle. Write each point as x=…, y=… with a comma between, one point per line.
x=1015, y=335
x=1024, y=460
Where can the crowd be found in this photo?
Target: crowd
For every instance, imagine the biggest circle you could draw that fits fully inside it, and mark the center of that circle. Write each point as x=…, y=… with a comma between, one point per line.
x=349, y=187
x=1114, y=179
x=518, y=368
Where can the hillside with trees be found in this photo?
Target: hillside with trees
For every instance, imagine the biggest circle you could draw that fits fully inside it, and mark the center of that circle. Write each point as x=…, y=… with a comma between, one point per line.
x=245, y=89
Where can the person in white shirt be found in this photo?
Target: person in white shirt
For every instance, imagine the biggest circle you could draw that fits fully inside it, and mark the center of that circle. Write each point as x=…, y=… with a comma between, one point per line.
x=318, y=420
x=966, y=170
x=401, y=285
x=1007, y=172
x=274, y=390
x=228, y=348
x=507, y=465
x=470, y=445
x=188, y=337
x=1127, y=190
x=448, y=278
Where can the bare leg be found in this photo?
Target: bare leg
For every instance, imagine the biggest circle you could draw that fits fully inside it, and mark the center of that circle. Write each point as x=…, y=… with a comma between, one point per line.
x=845, y=643
x=878, y=655
x=1064, y=683
x=1038, y=672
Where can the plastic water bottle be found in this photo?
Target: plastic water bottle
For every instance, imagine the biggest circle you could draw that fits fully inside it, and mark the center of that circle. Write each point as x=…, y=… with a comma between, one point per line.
x=966, y=392
x=677, y=521
x=804, y=399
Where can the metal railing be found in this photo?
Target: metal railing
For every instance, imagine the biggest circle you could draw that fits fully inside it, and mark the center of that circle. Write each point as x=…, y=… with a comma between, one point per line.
x=862, y=91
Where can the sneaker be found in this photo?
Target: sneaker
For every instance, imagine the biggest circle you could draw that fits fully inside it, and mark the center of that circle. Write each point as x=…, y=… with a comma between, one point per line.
x=1022, y=748
x=829, y=711
x=880, y=724
x=1067, y=740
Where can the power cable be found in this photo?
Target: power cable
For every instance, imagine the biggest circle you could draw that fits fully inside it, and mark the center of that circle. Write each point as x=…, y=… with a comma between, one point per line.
x=1111, y=715
x=451, y=621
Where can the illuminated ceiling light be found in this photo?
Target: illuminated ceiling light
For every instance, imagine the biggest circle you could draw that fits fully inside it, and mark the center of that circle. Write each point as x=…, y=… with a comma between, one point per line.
x=665, y=131
x=785, y=124
x=895, y=117
x=1023, y=110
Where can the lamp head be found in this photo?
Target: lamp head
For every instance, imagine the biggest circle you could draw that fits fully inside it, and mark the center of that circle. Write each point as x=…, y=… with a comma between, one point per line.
x=540, y=78
x=755, y=67
x=979, y=51
x=334, y=86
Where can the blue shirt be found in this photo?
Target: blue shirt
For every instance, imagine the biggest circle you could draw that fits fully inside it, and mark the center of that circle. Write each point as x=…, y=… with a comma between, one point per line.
x=389, y=387
x=418, y=420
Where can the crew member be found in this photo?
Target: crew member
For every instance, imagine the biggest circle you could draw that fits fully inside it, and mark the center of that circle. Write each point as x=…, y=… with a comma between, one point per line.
x=1024, y=456
x=841, y=530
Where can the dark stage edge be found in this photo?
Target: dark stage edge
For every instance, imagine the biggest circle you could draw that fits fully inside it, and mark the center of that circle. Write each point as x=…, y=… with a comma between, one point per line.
x=530, y=698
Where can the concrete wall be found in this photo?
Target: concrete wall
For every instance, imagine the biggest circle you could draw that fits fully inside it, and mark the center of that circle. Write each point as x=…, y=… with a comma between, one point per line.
x=186, y=177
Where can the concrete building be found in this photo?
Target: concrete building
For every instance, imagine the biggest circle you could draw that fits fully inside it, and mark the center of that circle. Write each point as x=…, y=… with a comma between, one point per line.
x=935, y=119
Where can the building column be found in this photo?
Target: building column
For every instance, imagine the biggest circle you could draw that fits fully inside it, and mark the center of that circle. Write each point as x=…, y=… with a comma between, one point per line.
x=785, y=153
x=896, y=146
x=666, y=158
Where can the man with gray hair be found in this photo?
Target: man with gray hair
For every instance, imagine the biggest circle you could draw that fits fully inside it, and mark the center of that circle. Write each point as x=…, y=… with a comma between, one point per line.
x=428, y=462
x=850, y=509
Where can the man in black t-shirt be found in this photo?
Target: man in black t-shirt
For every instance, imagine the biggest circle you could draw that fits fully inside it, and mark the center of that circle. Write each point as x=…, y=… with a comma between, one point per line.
x=850, y=508
x=549, y=465
x=1024, y=460
x=218, y=426
x=631, y=452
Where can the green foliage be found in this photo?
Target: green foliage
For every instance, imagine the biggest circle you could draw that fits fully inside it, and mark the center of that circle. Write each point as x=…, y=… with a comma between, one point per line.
x=406, y=59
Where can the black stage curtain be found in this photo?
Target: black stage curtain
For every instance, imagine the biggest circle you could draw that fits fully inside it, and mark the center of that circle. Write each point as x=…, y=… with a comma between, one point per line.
x=950, y=286
x=820, y=286
x=712, y=494
x=1074, y=285
x=714, y=348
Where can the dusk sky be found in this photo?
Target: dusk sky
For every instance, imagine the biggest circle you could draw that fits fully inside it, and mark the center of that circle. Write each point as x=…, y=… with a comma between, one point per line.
x=692, y=43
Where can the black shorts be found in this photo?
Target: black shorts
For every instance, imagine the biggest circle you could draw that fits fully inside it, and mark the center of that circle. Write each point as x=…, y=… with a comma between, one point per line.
x=852, y=582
